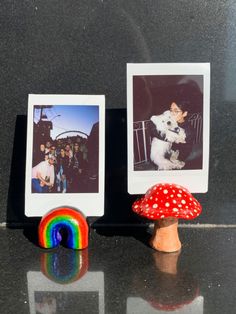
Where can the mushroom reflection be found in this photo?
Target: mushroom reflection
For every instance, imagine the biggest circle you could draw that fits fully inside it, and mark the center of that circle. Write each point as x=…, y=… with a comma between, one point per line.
x=166, y=288
x=175, y=289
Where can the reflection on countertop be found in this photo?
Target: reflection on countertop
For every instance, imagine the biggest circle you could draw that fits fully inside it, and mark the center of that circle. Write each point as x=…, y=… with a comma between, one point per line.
x=166, y=288
x=64, y=282
x=119, y=273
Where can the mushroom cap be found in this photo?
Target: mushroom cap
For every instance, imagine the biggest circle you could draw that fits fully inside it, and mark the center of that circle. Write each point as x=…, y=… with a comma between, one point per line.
x=168, y=301
x=167, y=200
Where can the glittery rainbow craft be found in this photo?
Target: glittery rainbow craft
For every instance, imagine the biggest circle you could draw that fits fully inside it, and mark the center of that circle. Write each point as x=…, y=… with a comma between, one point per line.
x=64, y=267
x=67, y=219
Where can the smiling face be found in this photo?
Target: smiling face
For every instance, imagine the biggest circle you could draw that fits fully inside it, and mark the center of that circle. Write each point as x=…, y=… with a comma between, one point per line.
x=42, y=147
x=76, y=147
x=67, y=148
x=48, y=144
x=62, y=152
x=178, y=114
x=51, y=161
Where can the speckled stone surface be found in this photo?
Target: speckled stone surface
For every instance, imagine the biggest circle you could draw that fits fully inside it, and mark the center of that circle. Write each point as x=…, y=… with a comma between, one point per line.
x=119, y=273
x=72, y=47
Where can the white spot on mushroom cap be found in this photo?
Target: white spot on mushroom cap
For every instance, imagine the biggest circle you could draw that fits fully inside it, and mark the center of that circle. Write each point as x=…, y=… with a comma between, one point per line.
x=165, y=191
x=154, y=205
x=167, y=204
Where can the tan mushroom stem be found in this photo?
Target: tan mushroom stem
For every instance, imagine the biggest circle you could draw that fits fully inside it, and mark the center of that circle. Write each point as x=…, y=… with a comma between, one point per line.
x=165, y=236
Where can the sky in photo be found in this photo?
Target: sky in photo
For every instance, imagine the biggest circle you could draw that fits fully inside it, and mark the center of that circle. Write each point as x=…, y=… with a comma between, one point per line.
x=70, y=118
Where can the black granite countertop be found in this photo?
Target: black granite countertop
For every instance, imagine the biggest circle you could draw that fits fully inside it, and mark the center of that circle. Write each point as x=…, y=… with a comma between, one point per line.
x=119, y=273
x=83, y=47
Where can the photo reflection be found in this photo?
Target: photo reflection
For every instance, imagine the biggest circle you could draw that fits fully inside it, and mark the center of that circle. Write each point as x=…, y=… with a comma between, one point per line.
x=65, y=285
x=167, y=289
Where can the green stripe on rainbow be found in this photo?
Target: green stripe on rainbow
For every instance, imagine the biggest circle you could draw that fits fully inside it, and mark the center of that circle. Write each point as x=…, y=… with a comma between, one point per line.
x=68, y=219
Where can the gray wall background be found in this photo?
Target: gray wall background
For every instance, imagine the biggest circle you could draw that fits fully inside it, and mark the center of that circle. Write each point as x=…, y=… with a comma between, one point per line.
x=82, y=46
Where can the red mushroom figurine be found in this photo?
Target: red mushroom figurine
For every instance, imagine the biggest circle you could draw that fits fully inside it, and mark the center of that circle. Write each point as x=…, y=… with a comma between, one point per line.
x=166, y=203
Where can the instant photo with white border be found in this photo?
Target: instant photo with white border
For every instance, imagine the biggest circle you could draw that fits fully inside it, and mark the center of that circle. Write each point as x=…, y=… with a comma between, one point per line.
x=91, y=282
x=91, y=202
x=149, y=93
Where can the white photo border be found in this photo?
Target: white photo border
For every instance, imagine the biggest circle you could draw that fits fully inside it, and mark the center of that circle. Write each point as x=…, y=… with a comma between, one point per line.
x=90, y=204
x=90, y=282
x=194, y=180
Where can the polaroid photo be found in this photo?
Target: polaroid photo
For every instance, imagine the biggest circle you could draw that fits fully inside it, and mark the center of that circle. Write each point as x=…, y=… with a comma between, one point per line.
x=65, y=154
x=168, y=108
x=46, y=296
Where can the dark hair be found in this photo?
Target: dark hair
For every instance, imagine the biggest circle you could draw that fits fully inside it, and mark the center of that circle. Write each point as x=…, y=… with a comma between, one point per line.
x=184, y=105
x=188, y=97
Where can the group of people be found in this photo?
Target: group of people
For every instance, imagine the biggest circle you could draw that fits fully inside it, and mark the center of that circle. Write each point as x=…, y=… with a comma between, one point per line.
x=59, y=168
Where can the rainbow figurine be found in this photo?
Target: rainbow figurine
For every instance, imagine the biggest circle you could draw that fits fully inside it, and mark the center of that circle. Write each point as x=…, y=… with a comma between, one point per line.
x=67, y=219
